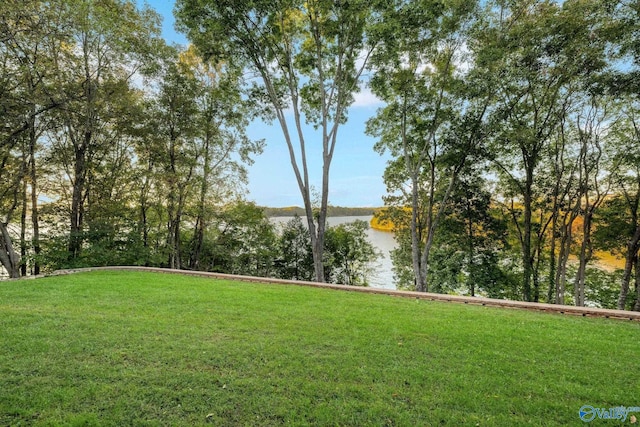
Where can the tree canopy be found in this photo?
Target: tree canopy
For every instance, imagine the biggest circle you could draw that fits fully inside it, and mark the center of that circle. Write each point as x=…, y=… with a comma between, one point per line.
x=511, y=127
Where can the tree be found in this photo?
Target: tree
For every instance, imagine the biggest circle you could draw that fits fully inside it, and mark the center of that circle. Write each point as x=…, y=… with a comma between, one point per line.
x=433, y=121
x=472, y=229
x=30, y=34
x=624, y=82
x=222, y=119
x=542, y=49
x=176, y=150
x=564, y=203
x=349, y=254
x=591, y=129
x=194, y=147
x=619, y=228
x=111, y=40
x=306, y=59
x=243, y=241
x=471, y=253
x=295, y=260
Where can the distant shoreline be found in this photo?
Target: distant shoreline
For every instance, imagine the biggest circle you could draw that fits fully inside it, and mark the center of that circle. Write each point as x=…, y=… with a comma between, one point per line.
x=331, y=211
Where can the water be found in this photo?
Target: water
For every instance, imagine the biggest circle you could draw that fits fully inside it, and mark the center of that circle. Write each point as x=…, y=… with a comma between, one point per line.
x=383, y=241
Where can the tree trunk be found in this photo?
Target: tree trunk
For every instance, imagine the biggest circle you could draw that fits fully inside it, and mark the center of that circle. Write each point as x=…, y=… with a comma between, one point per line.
x=565, y=248
x=470, y=266
x=318, y=248
x=8, y=257
x=198, y=231
x=632, y=253
x=561, y=273
x=586, y=253
x=552, y=259
x=536, y=280
x=175, y=220
x=144, y=209
x=198, y=239
x=173, y=232
x=33, y=175
x=77, y=203
x=173, y=238
x=527, y=261
x=318, y=257
x=416, y=238
x=35, y=223
x=636, y=306
x=196, y=244
x=563, y=258
x=177, y=263
x=561, y=281
x=23, y=223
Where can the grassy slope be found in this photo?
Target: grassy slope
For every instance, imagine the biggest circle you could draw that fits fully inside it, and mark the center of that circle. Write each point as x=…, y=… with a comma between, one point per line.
x=117, y=348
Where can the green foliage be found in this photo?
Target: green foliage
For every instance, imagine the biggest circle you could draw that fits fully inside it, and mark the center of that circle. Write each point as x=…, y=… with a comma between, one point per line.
x=349, y=256
x=603, y=289
x=134, y=149
x=295, y=260
x=433, y=121
x=241, y=240
x=615, y=220
x=471, y=253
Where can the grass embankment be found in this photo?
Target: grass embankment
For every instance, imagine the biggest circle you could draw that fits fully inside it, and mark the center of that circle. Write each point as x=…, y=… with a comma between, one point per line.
x=121, y=348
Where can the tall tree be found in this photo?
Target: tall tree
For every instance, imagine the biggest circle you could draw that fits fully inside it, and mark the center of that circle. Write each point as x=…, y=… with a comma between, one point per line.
x=591, y=127
x=176, y=150
x=623, y=212
x=11, y=168
x=545, y=47
x=111, y=40
x=295, y=260
x=564, y=204
x=222, y=118
x=306, y=58
x=433, y=121
x=350, y=255
x=31, y=34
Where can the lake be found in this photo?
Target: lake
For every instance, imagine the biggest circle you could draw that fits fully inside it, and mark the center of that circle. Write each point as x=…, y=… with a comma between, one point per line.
x=383, y=241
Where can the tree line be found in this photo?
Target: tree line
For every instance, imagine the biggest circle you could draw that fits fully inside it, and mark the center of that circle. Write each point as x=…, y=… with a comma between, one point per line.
x=512, y=128
x=120, y=149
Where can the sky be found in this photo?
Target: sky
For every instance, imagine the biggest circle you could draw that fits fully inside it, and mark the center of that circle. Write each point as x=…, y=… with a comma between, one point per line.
x=356, y=170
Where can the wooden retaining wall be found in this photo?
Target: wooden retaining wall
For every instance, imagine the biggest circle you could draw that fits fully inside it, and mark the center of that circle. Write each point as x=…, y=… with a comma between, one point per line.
x=489, y=302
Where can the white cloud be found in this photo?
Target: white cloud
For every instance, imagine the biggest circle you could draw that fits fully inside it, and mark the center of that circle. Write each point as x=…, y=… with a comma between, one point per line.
x=366, y=98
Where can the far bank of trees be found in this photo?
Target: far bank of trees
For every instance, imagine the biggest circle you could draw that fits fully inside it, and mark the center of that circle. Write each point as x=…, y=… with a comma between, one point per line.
x=512, y=127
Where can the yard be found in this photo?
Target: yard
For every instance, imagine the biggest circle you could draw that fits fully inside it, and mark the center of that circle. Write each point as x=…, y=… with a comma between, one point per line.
x=133, y=348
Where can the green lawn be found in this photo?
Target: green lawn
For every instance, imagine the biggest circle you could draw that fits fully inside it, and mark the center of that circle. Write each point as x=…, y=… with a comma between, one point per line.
x=122, y=348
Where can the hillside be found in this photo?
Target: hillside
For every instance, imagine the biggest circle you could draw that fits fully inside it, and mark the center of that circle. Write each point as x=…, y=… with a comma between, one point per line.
x=122, y=348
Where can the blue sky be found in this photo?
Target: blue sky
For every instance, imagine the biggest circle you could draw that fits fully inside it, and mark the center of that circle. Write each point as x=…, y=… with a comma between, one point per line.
x=356, y=170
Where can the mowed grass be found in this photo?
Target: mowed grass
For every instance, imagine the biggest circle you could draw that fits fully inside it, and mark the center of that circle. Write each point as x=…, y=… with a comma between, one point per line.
x=123, y=348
